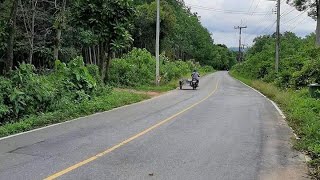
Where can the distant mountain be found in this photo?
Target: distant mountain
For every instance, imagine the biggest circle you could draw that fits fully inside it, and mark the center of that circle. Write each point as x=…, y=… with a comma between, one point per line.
x=234, y=48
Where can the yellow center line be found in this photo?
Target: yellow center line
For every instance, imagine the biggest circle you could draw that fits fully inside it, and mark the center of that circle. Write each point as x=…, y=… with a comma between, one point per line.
x=75, y=166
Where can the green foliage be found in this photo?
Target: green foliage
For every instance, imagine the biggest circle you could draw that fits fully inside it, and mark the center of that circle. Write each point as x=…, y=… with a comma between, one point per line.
x=137, y=68
x=109, y=21
x=145, y=22
x=299, y=65
x=3, y=36
x=25, y=92
x=133, y=69
x=178, y=24
x=105, y=101
x=309, y=73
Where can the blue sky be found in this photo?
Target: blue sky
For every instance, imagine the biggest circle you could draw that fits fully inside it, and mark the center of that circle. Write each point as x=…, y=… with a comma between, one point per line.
x=220, y=17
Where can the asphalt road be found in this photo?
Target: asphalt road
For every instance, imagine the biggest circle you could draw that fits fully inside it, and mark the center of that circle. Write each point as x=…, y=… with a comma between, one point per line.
x=223, y=130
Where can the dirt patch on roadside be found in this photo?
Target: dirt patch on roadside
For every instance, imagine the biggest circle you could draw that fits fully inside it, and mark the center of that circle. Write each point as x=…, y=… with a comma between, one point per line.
x=149, y=93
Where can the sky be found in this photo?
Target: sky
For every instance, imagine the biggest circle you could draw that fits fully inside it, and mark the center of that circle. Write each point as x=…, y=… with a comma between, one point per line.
x=221, y=16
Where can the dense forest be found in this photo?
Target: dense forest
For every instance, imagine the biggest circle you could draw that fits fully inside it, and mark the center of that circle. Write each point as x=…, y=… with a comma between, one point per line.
x=41, y=31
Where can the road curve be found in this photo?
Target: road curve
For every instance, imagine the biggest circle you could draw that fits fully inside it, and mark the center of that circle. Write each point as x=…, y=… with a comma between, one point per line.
x=223, y=130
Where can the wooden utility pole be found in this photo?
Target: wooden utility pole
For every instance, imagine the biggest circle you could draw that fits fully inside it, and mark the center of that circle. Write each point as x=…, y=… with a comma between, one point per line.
x=240, y=32
x=243, y=46
x=278, y=37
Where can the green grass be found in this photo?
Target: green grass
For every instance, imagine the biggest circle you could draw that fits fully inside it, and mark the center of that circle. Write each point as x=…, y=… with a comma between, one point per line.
x=303, y=115
x=161, y=88
x=168, y=86
x=99, y=104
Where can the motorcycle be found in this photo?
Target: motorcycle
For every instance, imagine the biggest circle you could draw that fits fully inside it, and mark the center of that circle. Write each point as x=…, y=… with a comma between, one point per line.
x=194, y=84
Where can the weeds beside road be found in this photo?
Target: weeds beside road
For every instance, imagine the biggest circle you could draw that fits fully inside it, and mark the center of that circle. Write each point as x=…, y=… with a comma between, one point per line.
x=104, y=102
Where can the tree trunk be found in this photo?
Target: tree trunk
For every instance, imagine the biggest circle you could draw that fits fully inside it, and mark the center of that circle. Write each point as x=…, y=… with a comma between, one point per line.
x=103, y=56
x=94, y=55
x=57, y=42
x=90, y=57
x=57, y=45
x=98, y=55
x=34, y=5
x=108, y=65
x=84, y=52
x=12, y=29
x=318, y=24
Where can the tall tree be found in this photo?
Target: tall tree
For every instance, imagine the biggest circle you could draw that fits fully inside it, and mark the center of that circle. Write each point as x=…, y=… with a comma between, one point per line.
x=313, y=8
x=110, y=21
x=145, y=22
x=59, y=26
x=11, y=35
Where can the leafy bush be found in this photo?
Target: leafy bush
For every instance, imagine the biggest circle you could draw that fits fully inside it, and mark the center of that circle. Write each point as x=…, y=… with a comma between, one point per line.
x=310, y=73
x=137, y=68
x=133, y=69
x=299, y=64
x=25, y=93
x=75, y=76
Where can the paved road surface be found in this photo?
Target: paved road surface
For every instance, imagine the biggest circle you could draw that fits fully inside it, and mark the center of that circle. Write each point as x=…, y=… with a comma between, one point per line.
x=224, y=130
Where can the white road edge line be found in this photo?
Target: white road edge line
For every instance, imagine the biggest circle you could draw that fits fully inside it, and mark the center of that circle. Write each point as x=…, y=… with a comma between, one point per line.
x=69, y=121
x=307, y=158
x=273, y=103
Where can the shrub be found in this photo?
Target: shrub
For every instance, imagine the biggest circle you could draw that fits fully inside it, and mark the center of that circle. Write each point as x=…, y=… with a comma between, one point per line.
x=75, y=76
x=25, y=93
x=310, y=73
x=137, y=68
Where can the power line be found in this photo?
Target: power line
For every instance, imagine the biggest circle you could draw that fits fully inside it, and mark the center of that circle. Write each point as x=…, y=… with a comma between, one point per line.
x=258, y=29
x=256, y=6
x=296, y=25
x=253, y=9
x=296, y=16
x=252, y=2
x=267, y=29
x=286, y=13
x=226, y=11
x=261, y=20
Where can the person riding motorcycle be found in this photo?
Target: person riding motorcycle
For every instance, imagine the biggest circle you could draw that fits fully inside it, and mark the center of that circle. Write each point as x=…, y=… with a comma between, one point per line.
x=195, y=75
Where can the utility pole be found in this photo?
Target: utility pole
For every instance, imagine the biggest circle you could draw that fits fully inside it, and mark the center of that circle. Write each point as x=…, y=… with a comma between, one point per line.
x=243, y=49
x=158, y=44
x=240, y=32
x=278, y=37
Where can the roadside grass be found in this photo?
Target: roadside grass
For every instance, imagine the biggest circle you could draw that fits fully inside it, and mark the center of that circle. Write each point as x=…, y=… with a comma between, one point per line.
x=303, y=115
x=101, y=103
x=170, y=85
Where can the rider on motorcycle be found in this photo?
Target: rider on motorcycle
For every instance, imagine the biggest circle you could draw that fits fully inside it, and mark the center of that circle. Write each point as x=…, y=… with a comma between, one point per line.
x=195, y=75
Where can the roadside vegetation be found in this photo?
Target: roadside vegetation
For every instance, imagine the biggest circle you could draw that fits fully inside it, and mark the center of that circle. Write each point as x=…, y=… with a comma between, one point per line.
x=30, y=99
x=299, y=67
x=62, y=59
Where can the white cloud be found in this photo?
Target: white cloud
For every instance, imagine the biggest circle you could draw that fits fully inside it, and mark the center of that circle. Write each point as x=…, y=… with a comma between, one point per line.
x=221, y=25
